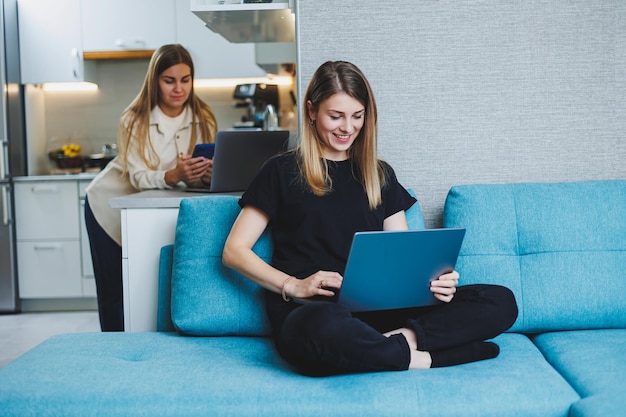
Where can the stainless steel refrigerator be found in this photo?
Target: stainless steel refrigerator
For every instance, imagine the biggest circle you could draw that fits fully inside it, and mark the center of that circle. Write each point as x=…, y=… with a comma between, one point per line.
x=12, y=151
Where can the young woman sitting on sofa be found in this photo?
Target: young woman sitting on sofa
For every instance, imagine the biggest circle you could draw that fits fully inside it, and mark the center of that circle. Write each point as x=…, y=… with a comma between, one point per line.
x=316, y=197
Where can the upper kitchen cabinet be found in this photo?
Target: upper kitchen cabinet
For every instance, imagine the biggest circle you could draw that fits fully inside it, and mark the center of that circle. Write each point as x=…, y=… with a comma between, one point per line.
x=248, y=21
x=127, y=25
x=50, y=42
x=213, y=56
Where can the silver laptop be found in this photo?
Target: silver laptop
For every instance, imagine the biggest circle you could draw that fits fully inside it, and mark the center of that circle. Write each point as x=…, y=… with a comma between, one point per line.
x=389, y=270
x=239, y=154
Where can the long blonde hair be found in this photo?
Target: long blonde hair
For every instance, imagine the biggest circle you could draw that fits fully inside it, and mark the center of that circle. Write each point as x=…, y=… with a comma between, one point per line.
x=135, y=120
x=329, y=79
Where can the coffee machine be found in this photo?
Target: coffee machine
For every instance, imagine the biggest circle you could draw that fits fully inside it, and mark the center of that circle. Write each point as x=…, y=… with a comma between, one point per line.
x=255, y=98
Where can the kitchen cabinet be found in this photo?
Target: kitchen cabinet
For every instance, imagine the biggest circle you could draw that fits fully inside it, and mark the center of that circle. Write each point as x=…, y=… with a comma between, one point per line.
x=251, y=22
x=49, y=259
x=213, y=56
x=50, y=42
x=121, y=25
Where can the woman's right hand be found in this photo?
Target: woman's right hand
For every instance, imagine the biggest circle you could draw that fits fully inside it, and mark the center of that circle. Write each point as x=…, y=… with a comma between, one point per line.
x=324, y=283
x=238, y=254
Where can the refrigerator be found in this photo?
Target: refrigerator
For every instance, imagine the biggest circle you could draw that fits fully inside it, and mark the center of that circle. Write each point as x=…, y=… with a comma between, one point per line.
x=13, y=160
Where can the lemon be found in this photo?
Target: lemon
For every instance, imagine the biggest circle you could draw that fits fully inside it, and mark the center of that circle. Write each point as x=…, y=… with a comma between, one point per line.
x=71, y=150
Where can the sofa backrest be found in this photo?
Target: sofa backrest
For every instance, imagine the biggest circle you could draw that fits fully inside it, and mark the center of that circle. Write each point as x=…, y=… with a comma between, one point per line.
x=561, y=248
x=207, y=298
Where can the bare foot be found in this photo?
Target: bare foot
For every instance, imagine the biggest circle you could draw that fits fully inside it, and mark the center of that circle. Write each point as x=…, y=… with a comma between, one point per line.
x=420, y=360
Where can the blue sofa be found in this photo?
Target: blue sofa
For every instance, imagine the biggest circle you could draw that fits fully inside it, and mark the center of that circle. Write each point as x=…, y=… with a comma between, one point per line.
x=560, y=247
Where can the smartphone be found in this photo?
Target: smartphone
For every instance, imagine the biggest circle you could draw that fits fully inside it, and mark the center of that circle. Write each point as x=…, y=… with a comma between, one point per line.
x=204, y=149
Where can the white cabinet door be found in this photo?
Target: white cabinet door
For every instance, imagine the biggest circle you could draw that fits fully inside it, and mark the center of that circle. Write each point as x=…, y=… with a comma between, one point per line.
x=50, y=41
x=46, y=210
x=213, y=55
x=118, y=25
x=49, y=269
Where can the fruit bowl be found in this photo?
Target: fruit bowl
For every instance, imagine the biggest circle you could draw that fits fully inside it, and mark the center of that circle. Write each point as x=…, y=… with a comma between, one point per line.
x=63, y=161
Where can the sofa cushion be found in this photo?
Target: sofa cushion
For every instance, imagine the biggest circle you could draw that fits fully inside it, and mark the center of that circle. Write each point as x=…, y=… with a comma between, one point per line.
x=592, y=361
x=164, y=374
x=561, y=248
x=208, y=299
x=602, y=405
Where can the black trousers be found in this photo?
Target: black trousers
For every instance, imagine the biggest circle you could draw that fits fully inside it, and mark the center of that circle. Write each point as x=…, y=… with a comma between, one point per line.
x=106, y=256
x=324, y=338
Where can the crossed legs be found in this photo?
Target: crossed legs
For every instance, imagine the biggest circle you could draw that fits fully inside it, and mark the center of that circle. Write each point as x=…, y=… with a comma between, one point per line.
x=325, y=338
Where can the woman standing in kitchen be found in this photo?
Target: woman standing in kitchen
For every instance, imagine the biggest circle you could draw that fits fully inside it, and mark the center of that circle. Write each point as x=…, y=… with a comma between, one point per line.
x=156, y=136
x=315, y=198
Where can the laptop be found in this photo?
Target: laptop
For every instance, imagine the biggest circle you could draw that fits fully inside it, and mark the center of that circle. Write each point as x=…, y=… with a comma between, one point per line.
x=389, y=270
x=239, y=154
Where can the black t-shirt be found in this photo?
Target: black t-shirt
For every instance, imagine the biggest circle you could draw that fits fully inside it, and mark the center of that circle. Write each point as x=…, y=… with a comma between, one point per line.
x=312, y=233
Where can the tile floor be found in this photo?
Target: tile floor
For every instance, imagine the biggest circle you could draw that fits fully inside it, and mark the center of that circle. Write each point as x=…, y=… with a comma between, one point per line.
x=21, y=332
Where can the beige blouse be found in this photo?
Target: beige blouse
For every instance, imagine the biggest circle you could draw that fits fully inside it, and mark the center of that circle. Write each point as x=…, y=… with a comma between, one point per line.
x=111, y=183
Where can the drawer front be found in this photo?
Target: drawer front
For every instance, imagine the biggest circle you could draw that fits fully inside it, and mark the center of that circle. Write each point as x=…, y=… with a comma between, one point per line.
x=49, y=269
x=46, y=210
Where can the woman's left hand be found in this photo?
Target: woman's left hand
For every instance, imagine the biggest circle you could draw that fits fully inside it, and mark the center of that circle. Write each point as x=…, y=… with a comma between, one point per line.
x=189, y=169
x=444, y=287
x=195, y=168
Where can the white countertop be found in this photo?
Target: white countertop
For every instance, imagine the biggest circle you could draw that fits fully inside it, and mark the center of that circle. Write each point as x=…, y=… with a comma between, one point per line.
x=159, y=198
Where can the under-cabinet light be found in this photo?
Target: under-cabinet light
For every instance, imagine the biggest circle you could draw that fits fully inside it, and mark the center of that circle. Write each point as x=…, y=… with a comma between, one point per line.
x=232, y=82
x=79, y=86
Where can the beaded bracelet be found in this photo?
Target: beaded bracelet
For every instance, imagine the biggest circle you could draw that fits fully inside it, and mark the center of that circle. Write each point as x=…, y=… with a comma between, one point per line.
x=282, y=290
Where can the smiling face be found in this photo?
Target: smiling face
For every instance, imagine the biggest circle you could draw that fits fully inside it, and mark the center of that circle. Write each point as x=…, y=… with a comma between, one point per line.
x=174, y=88
x=338, y=122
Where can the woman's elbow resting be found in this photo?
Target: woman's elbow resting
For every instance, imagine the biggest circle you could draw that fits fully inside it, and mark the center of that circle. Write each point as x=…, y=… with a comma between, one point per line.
x=229, y=256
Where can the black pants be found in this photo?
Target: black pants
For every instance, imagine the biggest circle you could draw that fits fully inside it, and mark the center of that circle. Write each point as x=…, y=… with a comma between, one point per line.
x=323, y=338
x=106, y=256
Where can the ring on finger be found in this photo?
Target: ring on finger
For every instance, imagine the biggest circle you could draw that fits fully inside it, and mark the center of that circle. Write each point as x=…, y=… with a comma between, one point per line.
x=321, y=284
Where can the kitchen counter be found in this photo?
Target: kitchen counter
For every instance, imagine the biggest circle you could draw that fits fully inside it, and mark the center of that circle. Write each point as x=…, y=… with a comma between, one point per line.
x=157, y=199
x=148, y=223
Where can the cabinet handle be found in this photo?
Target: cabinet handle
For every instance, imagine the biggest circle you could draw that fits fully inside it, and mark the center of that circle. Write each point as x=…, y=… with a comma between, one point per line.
x=5, y=206
x=3, y=155
x=76, y=63
x=49, y=246
x=137, y=43
x=45, y=188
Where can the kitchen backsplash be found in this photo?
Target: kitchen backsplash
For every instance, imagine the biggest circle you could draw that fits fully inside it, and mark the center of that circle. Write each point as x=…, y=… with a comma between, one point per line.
x=90, y=118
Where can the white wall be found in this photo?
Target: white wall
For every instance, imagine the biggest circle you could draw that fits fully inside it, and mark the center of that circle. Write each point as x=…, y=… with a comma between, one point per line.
x=479, y=91
x=96, y=114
